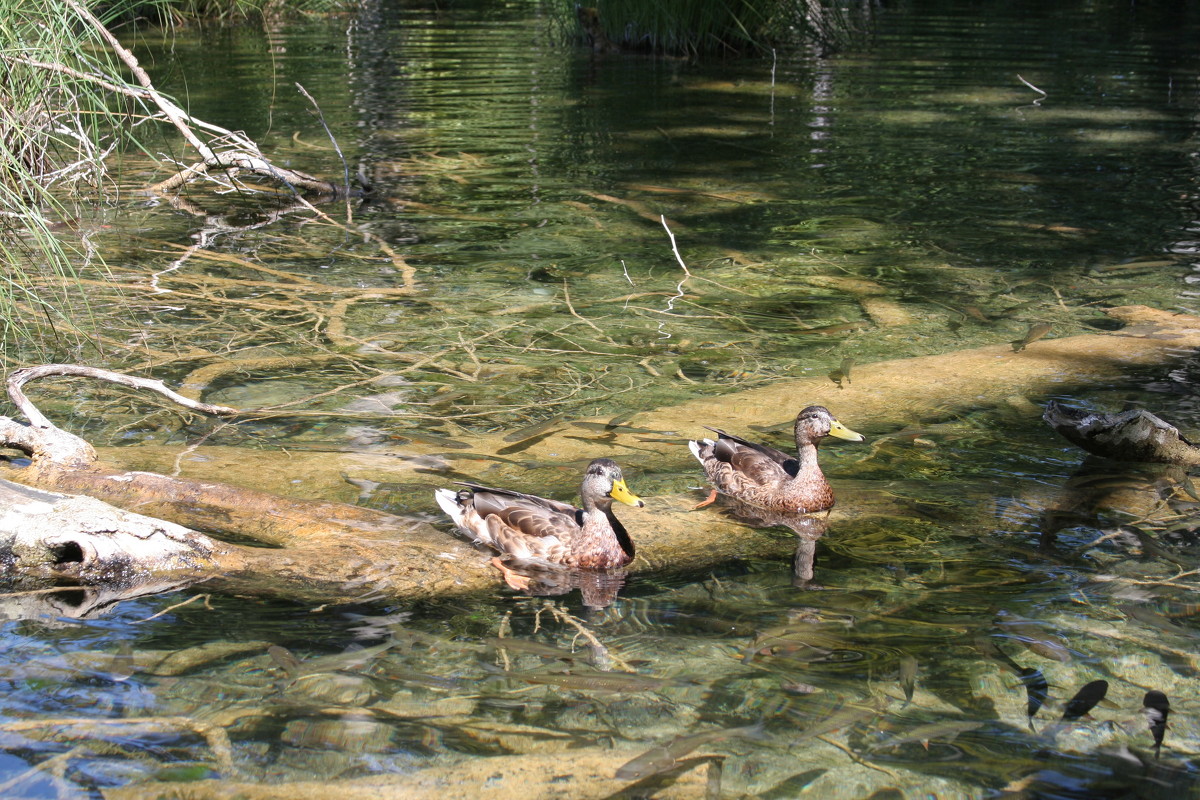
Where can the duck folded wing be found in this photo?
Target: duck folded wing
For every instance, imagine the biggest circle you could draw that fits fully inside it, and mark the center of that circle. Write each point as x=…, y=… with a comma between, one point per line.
x=758, y=462
x=536, y=523
x=532, y=516
x=536, y=542
x=495, y=501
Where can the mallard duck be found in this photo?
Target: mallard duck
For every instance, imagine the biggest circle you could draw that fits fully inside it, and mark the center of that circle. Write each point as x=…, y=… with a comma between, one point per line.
x=768, y=478
x=544, y=532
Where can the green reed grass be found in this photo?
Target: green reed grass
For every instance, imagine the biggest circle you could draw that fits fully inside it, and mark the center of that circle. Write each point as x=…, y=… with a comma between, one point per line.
x=182, y=12
x=57, y=129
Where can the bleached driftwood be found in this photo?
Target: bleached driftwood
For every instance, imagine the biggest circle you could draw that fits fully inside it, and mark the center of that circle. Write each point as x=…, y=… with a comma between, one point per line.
x=80, y=538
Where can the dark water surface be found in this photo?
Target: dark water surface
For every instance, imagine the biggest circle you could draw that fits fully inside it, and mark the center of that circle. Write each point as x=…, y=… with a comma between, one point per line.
x=952, y=180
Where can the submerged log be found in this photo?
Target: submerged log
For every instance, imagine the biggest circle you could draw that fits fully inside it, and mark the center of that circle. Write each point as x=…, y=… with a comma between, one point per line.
x=1133, y=435
x=534, y=776
x=885, y=396
x=319, y=551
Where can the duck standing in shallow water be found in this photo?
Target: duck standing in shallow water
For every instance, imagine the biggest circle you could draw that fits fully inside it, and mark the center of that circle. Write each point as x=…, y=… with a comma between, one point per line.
x=768, y=478
x=546, y=533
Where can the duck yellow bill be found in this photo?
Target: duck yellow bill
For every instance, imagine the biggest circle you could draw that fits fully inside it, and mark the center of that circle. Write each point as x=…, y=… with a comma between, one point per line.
x=842, y=432
x=621, y=492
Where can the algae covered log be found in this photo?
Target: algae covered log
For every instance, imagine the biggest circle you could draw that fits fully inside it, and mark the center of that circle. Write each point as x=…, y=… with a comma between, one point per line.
x=884, y=395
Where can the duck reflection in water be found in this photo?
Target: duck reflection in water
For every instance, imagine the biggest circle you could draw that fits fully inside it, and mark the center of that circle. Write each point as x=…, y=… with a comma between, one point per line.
x=598, y=588
x=809, y=528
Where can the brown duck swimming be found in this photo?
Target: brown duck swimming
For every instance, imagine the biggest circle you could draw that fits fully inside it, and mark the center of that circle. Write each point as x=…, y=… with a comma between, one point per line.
x=533, y=530
x=768, y=478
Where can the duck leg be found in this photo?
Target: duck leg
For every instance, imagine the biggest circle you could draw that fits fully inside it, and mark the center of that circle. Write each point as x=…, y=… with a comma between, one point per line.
x=712, y=498
x=516, y=581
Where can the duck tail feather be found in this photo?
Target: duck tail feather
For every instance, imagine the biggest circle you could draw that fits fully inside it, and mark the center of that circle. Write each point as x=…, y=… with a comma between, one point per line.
x=698, y=446
x=448, y=500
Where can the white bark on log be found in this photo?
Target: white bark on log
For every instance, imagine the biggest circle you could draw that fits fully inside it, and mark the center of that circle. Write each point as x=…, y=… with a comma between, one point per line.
x=82, y=538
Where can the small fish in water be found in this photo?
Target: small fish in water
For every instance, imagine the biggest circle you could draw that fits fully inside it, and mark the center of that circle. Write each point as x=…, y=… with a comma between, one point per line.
x=1152, y=546
x=432, y=438
x=1036, y=331
x=527, y=442
x=609, y=427
x=1154, y=619
x=664, y=756
x=533, y=430
x=621, y=419
x=832, y=330
x=1157, y=708
x=842, y=373
x=338, y=662
x=801, y=643
x=798, y=687
x=123, y=666
x=1012, y=311
x=1134, y=265
x=948, y=730
x=908, y=676
x=394, y=673
x=974, y=313
x=1031, y=636
x=538, y=649
x=1189, y=488
x=284, y=659
x=365, y=486
x=1085, y=700
x=589, y=681
x=845, y=716
x=1036, y=690
x=990, y=650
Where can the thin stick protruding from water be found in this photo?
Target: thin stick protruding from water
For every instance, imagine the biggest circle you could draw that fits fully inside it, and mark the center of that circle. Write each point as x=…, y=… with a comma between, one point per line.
x=774, y=61
x=337, y=149
x=679, y=286
x=1036, y=89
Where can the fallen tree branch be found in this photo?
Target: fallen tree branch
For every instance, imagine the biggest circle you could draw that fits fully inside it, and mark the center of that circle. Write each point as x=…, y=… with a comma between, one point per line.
x=18, y=378
x=104, y=544
x=234, y=161
x=332, y=552
x=242, y=155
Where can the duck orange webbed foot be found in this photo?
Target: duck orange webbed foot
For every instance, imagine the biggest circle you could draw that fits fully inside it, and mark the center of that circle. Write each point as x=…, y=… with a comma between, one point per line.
x=513, y=579
x=712, y=498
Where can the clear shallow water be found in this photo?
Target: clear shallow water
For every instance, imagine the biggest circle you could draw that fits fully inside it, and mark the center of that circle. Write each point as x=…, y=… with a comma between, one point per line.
x=509, y=172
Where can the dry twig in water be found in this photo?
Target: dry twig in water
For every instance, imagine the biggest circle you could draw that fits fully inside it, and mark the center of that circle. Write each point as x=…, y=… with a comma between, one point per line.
x=600, y=652
x=190, y=600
